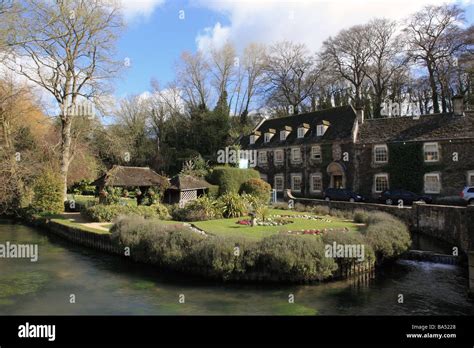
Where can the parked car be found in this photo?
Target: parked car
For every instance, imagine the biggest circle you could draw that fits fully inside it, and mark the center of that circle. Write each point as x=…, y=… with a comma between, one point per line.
x=390, y=197
x=468, y=194
x=342, y=195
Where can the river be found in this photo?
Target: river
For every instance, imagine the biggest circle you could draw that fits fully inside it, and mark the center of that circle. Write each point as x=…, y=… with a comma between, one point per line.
x=108, y=285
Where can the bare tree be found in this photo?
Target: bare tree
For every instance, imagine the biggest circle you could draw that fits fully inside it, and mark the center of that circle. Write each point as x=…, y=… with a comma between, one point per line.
x=65, y=47
x=348, y=55
x=385, y=60
x=254, y=67
x=223, y=67
x=432, y=35
x=193, y=73
x=291, y=74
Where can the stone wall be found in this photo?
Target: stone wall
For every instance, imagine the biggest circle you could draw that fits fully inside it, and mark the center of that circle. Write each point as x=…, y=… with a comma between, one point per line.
x=450, y=224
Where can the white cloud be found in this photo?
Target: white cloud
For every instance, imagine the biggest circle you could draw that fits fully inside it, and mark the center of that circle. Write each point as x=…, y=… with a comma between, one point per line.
x=307, y=21
x=213, y=37
x=135, y=9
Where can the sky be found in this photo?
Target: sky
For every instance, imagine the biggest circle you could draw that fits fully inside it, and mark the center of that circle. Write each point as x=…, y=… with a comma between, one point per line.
x=158, y=31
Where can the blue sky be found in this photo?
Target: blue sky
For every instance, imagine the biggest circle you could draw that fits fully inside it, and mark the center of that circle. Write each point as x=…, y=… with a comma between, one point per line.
x=156, y=36
x=154, y=44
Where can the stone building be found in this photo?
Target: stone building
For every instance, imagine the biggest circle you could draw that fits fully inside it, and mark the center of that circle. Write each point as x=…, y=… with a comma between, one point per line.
x=307, y=153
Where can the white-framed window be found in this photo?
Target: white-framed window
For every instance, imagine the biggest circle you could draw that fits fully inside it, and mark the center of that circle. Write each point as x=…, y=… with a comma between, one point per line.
x=279, y=183
x=316, y=152
x=431, y=152
x=296, y=154
x=301, y=132
x=279, y=156
x=268, y=137
x=432, y=183
x=296, y=182
x=252, y=139
x=381, y=182
x=262, y=157
x=283, y=135
x=380, y=153
x=321, y=129
x=316, y=182
x=470, y=178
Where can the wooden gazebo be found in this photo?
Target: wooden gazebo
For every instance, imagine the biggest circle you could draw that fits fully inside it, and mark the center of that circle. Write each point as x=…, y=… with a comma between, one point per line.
x=122, y=176
x=185, y=188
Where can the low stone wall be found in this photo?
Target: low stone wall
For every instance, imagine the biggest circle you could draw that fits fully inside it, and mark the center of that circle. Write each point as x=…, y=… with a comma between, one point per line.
x=450, y=224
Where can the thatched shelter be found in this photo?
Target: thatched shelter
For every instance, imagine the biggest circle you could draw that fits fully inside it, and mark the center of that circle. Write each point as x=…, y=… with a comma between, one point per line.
x=122, y=176
x=185, y=188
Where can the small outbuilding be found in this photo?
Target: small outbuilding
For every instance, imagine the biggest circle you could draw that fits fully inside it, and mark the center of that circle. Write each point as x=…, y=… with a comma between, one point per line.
x=123, y=176
x=185, y=188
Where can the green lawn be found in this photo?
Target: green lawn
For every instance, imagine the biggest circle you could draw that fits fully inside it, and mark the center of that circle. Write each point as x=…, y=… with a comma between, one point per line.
x=229, y=227
x=66, y=222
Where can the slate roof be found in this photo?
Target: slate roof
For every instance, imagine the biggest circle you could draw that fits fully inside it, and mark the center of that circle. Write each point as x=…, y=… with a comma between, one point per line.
x=425, y=128
x=188, y=182
x=122, y=176
x=341, y=121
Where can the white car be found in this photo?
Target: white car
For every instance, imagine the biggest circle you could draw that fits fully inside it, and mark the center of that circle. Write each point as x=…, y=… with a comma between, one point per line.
x=468, y=194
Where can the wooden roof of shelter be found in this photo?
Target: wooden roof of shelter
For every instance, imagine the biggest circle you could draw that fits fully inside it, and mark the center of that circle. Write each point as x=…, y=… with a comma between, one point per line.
x=188, y=182
x=122, y=176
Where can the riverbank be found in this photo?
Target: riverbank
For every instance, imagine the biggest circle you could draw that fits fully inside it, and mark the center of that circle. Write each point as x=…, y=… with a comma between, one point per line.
x=277, y=258
x=109, y=285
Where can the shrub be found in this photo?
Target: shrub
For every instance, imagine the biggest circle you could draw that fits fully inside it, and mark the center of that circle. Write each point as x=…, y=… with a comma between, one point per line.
x=302, y=207
x=161, y=211
x=48, y=193
x=280, y=205
x=361, y=216
x=223, y=257
x=388, y=236
x=294, y=258
x=233, y=205
x=320, y=210
x=257, y=188
x=213, y=191
x=201, y=209
x=153, y=242
x=229, y=179
x=107, y=213
x=348, y=238
x=342, y=214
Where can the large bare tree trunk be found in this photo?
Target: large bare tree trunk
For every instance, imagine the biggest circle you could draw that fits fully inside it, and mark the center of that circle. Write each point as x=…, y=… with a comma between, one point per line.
x=434, y=92
x=65, y=152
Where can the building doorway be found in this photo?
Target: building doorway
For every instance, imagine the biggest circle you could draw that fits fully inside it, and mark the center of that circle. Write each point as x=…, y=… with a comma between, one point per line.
x=337, y=175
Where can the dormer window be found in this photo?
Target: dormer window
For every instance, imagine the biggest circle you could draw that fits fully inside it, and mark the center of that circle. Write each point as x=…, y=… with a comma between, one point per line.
x=254, y=137
x=302, y=130
x=322, y=128
x=269, y=135
x=284, y=133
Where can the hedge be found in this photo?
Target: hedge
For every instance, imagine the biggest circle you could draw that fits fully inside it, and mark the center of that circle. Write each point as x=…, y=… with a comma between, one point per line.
x=107, y=213
x=230, y=179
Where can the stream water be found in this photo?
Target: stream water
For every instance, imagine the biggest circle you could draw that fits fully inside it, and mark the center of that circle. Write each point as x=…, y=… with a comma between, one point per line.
x=106, y=284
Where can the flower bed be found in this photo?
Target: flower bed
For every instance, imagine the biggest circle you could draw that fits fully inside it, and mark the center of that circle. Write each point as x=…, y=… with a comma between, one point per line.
x=266, y=222
x=303, y=216
x=318, y=232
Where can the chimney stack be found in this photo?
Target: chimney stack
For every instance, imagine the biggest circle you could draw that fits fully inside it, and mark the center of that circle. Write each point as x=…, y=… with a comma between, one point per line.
x=458, y=105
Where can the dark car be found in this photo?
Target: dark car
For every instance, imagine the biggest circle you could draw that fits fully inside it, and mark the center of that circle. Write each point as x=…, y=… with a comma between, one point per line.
x=390, y=197
x=342, y=195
